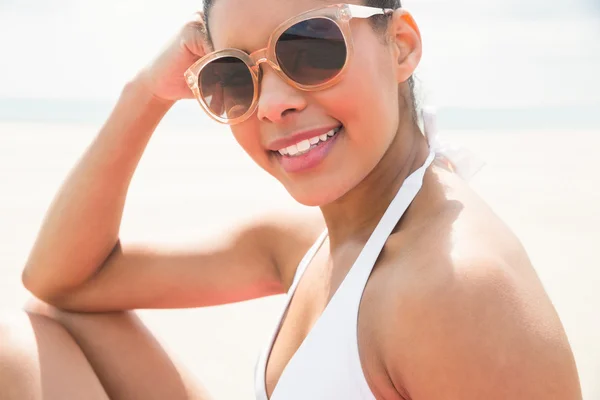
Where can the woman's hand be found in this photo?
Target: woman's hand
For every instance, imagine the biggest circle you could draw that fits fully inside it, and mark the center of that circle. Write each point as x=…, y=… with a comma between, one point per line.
x=163, y=77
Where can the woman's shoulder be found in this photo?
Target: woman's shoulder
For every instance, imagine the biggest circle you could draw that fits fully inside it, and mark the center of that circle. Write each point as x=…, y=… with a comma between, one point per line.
x=461, y=295
x=454, y=235
x=456, y=223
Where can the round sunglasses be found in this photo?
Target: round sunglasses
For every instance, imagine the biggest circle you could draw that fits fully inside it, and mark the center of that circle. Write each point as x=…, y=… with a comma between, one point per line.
x=309, y=51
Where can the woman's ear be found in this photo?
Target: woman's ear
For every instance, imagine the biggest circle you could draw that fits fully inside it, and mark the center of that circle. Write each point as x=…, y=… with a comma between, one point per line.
x=406, y=41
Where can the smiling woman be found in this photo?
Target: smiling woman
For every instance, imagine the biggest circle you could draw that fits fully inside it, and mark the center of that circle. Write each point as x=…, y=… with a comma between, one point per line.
x=404, y=286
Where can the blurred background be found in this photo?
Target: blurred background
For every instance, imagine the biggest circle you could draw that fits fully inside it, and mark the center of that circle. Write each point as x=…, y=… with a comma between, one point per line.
x=517, y=82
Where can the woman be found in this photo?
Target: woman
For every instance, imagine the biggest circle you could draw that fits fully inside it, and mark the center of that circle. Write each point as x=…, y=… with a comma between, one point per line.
x=406, y=286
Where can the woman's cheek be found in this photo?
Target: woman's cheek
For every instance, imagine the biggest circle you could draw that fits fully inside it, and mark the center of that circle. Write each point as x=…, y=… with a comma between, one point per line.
x=249, y=140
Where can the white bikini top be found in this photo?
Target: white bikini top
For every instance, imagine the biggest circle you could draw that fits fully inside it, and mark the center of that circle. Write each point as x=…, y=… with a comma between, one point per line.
x=327, y=363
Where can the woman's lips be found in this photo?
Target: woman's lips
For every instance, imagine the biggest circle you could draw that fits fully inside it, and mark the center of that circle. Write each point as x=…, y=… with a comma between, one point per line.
x=310, y=159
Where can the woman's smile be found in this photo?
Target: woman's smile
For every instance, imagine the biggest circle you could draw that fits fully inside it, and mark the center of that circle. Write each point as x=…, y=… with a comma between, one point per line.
x=307, y=153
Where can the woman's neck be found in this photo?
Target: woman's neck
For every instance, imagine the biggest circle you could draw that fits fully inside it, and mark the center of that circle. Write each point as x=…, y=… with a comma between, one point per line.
x=354, y=216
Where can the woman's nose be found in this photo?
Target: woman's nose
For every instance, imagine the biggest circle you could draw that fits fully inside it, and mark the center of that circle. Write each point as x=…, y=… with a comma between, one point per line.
x=277, y=98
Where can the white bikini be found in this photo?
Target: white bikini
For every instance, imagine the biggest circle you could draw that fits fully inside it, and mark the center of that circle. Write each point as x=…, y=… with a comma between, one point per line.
x=327, y=363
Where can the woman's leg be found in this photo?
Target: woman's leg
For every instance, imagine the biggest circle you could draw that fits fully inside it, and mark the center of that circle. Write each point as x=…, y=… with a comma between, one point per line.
x=40, y=360
x=127, y=359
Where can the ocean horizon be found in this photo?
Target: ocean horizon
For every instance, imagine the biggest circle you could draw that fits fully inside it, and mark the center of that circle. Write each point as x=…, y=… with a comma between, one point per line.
x=188, y=114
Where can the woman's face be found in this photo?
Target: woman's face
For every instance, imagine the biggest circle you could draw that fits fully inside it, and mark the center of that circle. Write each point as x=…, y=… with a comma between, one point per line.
x=364, y=104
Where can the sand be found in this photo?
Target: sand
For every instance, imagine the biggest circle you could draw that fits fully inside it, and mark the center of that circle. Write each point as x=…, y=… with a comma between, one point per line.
x=193, y=182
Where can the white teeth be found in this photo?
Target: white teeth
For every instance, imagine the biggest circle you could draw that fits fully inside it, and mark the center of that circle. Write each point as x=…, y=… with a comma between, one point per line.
x=303, y=145
x=306, y=145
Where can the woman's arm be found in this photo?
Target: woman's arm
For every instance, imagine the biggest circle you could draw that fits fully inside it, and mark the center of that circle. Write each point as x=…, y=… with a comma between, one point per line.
x=239, y=264
x=77, y=262
x=81, y=227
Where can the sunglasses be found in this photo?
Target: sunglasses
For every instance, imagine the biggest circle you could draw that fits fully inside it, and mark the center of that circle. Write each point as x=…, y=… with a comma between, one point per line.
x=309, y=51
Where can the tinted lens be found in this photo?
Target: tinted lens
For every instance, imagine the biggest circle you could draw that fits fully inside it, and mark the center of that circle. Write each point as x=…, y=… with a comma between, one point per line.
x=312, y=51
x=227, y=87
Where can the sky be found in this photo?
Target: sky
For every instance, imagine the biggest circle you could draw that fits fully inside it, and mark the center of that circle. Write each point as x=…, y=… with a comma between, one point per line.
x=511, y=53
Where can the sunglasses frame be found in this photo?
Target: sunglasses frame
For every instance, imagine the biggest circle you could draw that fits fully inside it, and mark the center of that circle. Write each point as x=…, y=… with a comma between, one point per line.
x=339, y=14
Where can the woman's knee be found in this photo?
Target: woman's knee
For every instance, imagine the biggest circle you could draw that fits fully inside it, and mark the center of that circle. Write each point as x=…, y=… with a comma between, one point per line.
x=38, y=359
x=118, y=345
x=18, y=364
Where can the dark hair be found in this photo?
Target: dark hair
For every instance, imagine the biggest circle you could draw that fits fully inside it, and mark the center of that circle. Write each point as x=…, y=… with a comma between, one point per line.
x=380, y=20
x=378, y=24
x=383, y=3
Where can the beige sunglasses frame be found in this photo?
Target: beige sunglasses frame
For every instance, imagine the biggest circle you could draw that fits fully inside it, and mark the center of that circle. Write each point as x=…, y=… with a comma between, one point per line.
x=340, y=14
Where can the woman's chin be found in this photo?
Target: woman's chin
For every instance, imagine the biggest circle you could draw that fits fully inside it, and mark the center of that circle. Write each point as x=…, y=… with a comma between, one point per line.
x=314, y=196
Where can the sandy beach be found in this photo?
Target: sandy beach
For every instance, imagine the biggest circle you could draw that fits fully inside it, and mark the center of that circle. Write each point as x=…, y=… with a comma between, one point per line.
x=194, y=182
